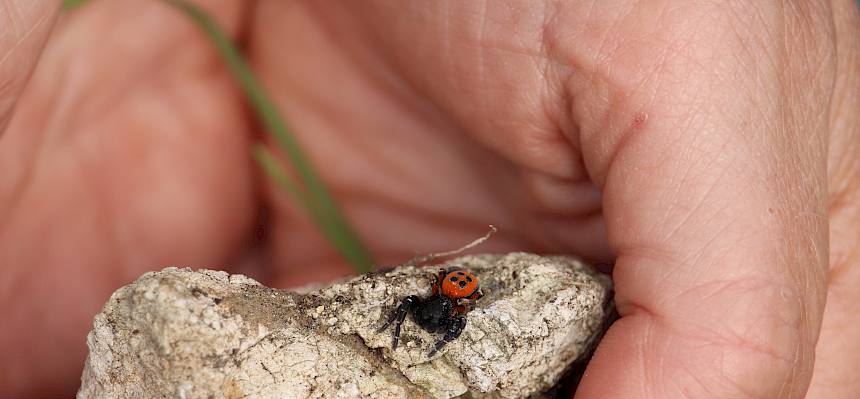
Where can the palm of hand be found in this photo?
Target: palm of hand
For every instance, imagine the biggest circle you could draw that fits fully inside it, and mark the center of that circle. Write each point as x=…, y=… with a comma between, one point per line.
x=428, y=126
x=131, y=153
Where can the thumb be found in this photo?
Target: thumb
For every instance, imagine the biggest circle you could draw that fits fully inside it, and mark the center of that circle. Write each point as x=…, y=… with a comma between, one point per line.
x=24, y=27
x=713, y=176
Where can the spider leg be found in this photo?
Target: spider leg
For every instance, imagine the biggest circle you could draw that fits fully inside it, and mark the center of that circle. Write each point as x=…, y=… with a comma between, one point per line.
x=435, y=283
x=400, y=314
x=466, y=304
x=436, y=280
x=455, y=327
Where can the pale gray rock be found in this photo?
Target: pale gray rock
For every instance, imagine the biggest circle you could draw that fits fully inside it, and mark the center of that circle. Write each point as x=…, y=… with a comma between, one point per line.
x=207, y=334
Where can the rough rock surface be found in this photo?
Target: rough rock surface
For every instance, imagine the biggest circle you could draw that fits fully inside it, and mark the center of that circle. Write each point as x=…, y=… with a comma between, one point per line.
x=207, y=334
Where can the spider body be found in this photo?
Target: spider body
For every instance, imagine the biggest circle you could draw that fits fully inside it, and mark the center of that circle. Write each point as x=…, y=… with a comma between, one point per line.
x=434, y=313
x=453, y=294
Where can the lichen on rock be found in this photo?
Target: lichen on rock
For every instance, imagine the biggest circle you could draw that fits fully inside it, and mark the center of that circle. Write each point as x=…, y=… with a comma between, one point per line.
x=201, y=334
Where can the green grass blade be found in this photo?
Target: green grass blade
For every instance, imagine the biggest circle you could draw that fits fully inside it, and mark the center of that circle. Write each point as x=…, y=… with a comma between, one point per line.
x=273, y=169
x=70, y=4
x=323, y=209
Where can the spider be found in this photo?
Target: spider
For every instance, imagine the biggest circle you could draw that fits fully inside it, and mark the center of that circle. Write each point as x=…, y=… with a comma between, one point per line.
x=454, y=293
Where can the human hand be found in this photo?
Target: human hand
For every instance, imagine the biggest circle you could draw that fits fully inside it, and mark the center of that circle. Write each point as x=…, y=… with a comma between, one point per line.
x=698, y=142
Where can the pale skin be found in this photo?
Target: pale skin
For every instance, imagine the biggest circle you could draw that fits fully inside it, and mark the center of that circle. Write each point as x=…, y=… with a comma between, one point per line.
x=709, y=149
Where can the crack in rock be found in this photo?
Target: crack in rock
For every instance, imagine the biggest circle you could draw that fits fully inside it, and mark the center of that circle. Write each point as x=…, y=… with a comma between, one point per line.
x=208, y=334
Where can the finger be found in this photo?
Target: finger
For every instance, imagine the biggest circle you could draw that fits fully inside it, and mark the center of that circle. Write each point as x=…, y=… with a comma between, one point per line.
x=714, y=199
x=127, y=152
x=838, y=351
x=24, y=27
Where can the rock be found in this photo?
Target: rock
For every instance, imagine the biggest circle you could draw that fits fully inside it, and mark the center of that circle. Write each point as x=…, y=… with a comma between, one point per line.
x=208, y=334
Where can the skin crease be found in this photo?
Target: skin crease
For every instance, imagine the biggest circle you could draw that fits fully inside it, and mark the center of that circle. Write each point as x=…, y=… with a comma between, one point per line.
x=709, y=148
